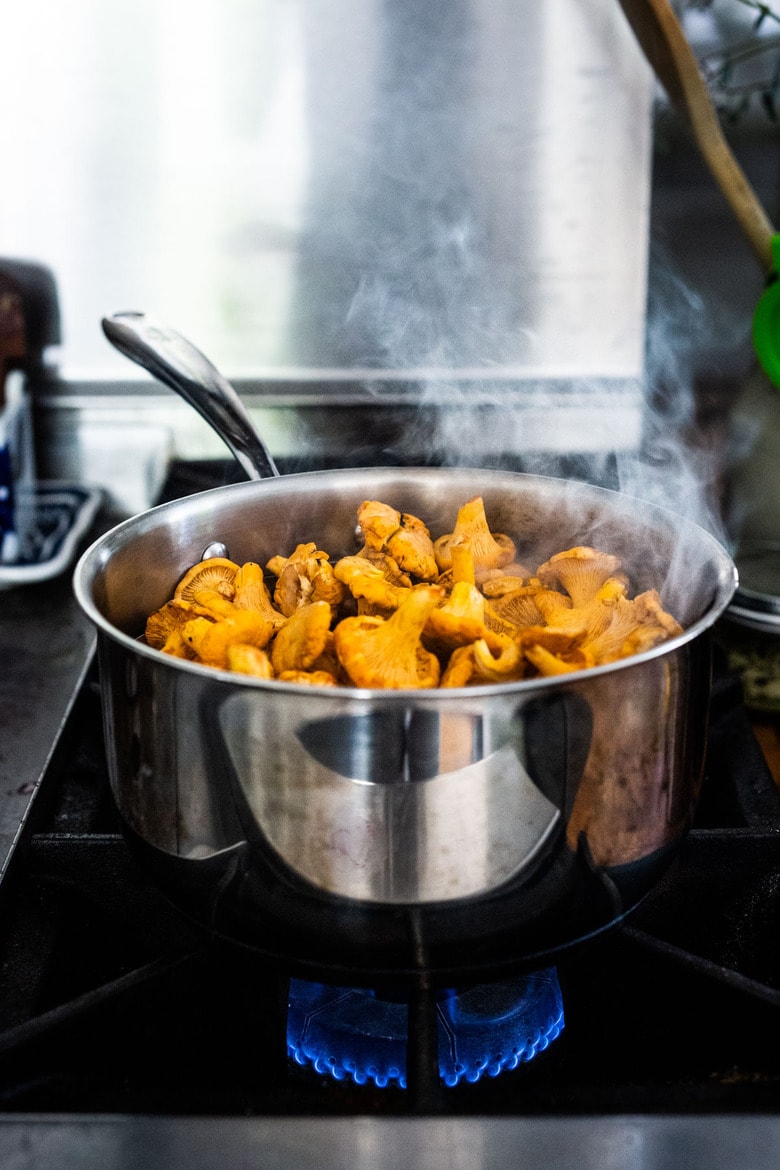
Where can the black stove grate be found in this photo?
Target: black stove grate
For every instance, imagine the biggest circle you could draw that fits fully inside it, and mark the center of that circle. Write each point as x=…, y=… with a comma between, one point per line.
x=112, y=1001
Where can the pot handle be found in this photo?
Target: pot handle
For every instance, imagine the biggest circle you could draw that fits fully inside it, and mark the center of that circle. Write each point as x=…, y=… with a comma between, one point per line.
x=176, y=362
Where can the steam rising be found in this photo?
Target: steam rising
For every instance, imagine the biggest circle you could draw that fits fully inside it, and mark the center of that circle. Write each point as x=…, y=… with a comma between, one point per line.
x=476, y=281
x=473, y=420
x=676, y=466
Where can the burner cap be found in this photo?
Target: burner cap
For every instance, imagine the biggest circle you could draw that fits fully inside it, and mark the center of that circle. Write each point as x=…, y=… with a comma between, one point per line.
x=484, y=1031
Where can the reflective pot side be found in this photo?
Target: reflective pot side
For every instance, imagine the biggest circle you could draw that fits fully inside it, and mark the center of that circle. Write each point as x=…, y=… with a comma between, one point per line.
x=415, y=797
x=420, y=800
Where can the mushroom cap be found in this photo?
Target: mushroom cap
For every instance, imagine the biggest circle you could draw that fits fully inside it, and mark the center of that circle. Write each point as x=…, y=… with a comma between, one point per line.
x=460, y=620
x=168, y=620
x=303, y=638
x=366, y=580
x=244, y=659
x=377, y=522
x=489, y=550
x=403, y=536
x=548, y=663
x=214, y=575
x=389, y=568
x=515, y=608
x=297, y=577
x=387, y=652
x=482, y=663
x=411, y=546
x=581, y=571
x=211, y=639
x=253, y=593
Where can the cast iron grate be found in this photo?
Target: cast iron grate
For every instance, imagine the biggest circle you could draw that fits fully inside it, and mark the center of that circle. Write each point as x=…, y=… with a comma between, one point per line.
x=111, y=1001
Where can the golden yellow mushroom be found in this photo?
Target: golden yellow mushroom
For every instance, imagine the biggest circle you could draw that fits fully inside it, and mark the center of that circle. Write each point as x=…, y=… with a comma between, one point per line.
x=460, y=620
x=215, y=575
x=483, y=663
x=555, y=650
x=244, y=659
x=404, y=537
x=489, y=550
x=366, y=581
x=377, y=522
x=389, y=568
x=594, y=615
x=253, y=593
x=304, y=577
x=581, y=571
x=637, y=626
x=303, y=638
x=211, y=640
x=516, y=607
x=387, y=652
x=548, y=663
x=309, y=678
x=164, y=628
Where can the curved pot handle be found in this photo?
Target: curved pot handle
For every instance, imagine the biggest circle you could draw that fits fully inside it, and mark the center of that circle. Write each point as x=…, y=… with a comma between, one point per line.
x=176, y=362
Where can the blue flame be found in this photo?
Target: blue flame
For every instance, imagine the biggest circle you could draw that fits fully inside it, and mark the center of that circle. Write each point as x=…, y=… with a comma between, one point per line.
x=352, y=1033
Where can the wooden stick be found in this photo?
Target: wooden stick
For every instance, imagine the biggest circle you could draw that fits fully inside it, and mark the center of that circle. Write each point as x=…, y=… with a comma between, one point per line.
x=666, y=47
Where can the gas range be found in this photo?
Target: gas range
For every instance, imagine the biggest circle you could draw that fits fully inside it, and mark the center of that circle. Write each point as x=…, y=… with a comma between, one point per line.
x=127, y=1030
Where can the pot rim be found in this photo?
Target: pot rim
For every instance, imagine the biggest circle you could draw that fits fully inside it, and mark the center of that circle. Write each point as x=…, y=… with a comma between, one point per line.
x=98, y=553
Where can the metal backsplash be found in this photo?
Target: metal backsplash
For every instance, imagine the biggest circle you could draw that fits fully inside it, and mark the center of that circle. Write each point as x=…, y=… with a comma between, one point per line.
x=434, y=206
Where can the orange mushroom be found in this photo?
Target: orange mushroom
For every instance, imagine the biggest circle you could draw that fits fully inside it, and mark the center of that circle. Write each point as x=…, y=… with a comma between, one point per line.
x=489, y=550
x=404, y=537
x=581, y=571
x=214, y=575
x=388, y=652
x=303, y=638
x=210, y=640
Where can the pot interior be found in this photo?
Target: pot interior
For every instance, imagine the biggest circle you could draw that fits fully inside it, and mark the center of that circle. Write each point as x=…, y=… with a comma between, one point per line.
x=133, y=569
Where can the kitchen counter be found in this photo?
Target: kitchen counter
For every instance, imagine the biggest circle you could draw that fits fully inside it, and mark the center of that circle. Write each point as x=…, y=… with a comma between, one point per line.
x=45, y=646
x=481, y=1143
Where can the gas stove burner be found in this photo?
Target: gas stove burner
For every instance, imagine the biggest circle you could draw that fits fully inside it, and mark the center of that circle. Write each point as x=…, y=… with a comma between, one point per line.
x=354, y=1033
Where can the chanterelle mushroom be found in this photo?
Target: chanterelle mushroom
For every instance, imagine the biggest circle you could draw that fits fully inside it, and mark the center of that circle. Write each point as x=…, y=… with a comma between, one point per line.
x=253, y=593
x=403, y=536
x=460, y=619
x=464, y=616
x=555, y=650
x=489, y=550
x=389, y=568
x=481, y=663
x=581, y=571
x=210, y=640
x=303, y=638
x=304, y=577
x=636, y=626
x=516, y=607
x=164, y=627
x=214, y=575
x=594, y=615
x=366, y=580
x=251, y=660
x=387, y=652
x=309, y=678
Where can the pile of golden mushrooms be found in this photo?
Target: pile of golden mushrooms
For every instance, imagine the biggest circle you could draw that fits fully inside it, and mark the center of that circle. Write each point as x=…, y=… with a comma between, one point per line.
x=409, y=611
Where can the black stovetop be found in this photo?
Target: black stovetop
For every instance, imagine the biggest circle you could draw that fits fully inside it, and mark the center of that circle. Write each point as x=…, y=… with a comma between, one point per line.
x=112, y=1002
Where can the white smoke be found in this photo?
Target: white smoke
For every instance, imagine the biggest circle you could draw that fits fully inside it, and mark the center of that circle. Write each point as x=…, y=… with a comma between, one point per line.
x=679, y=462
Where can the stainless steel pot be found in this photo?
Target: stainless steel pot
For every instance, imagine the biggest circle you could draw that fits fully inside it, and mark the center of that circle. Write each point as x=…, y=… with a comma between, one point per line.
x=369, y=803
x=394, y=798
